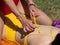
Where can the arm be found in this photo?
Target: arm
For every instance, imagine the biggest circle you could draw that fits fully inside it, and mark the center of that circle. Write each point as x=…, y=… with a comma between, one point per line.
x=1, y=28
x=25, y=23
x=13, y=8
x=30, y=2
x=41, y=17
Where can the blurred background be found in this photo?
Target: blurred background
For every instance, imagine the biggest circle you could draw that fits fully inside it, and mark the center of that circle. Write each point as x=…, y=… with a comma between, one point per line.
x=50, y=7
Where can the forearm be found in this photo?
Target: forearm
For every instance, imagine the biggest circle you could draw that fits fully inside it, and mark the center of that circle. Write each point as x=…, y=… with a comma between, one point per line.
x=30, y=1
x=13, y=7
x=1, y=28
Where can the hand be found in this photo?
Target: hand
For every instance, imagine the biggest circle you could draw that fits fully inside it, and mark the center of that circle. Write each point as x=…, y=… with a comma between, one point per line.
x=27, y=25
x=34, y=12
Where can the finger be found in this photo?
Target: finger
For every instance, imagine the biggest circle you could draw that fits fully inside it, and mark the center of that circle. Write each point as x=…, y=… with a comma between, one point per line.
x=31, y=25
x=30, y=28
x=28, y=25
x=24, y=30
x=27, y=28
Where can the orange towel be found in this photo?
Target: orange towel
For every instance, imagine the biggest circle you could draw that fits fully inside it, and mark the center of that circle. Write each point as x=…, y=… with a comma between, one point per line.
x=7, y=42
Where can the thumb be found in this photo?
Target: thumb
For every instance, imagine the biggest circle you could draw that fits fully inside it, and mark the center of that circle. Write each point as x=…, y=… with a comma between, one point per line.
x=32, y=14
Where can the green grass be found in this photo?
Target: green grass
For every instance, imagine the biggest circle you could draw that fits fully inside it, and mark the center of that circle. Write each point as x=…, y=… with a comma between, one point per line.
x=50, y=7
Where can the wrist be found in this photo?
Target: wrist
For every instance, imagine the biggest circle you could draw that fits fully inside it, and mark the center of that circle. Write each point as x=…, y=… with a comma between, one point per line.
x=21, y=18
x=30, y=1
x=31, y=4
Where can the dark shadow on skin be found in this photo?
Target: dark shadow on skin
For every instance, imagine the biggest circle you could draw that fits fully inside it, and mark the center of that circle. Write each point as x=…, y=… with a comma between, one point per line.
x=56, y=41
x=2, y=16
x=26, y=8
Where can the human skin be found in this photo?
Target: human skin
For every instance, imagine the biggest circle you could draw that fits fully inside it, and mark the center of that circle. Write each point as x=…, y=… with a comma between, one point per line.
x=1, y=27
x=41, y=38
x=27, y=31
x=27, y=24
x=42, y=17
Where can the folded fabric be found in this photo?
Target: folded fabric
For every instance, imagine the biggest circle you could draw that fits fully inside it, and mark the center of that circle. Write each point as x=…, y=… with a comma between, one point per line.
x=56, y=23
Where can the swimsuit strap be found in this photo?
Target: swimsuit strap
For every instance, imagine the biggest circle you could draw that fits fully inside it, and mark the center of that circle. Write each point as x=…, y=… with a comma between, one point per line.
x=26, y=37
x=39, y=33
x=50, y=27
x=51, y=32
x=36, y=25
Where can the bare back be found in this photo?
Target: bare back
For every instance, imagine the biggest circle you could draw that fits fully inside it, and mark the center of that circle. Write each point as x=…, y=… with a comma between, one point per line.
x=43, y=36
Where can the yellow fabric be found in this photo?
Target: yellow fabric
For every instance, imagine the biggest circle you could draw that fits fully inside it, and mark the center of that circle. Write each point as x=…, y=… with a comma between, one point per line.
x=51, y=33
x=11, y=25
x=38, y=28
